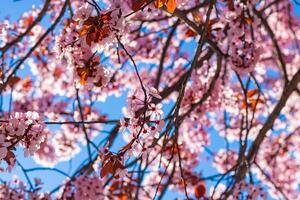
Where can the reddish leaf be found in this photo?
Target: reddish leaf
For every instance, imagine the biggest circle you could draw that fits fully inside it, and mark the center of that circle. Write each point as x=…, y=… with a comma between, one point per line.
x=255, y=102
x=84, y=31
x=57, y=72
x=190, y=33
x=248, y=21
x=106, y=17
x=251, y=93
x=230, y=5
x=137, y=5
x=200, y=190
x=10, y=158
x=86, y=110
x=102, y=118
x=212, y=22
x=96, y=28
x=252, y=103
x=27, y=83
x=29, y=20
x=117, y=165
x=13, y=80
x=197, y=17
x=106, y=169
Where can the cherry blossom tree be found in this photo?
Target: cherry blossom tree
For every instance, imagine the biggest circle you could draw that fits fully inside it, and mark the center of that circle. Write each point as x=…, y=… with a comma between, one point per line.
x=209, y=88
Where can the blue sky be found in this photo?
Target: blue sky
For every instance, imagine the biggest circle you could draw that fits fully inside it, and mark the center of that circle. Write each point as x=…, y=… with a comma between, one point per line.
x=113, y=108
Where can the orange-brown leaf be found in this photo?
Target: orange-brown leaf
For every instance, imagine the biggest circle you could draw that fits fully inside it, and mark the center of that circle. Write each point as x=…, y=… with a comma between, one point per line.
x=255, y=102
x=84, y=31
x=27, y=83
x=159, y=3
x=106, y=17
x=13, y=80
x=106, y=169
x=190, y=33
x=171, y=6
x=83, y=73
x=243, y=105
x=29, y=20
x=122, y=197
x=90, y=21
x=251, y=93
x=87, y=110
x=212, y=22
x=197, y=17
x=57, y=72
x=252, y=103
x=10, y=158
x=137, y=5
x=98, y=83
x=248, y=21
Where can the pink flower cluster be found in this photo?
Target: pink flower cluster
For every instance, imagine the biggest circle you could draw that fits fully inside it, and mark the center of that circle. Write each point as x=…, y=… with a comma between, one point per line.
x=84, y=187
x=3, y=27
x=86, y=66
x=279, y=160
x=225, y=160
x=100, y=28
x=143, y=129
x=243, y=51
x=21, y=128
x=90, y=30
x=144, y=123
x=17, y=190
x=241, y=190
x=249, y=190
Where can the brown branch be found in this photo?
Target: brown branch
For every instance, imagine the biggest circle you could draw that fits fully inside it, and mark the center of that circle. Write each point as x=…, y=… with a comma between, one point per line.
x=271, y=181
x=209, y=91
x=275, y=43
x=166, y=185
x=83, y=126
x=268, y=125
x=164, y=94
x=164, y=53
x=198, y=29
x=83, y=122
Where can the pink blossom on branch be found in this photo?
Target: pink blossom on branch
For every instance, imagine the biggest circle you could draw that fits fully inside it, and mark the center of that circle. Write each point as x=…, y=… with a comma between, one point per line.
x=146, y=97
x=25, y=129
